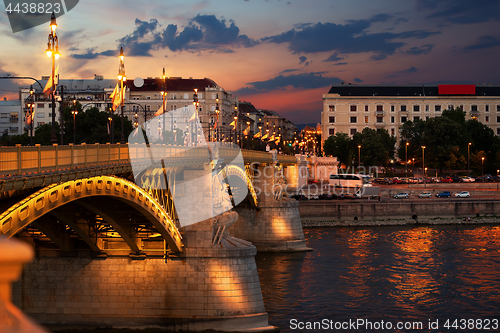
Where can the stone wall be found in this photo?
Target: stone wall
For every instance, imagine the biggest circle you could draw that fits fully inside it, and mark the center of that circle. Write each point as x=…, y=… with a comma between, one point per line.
x=335, y=210
x=218, y=289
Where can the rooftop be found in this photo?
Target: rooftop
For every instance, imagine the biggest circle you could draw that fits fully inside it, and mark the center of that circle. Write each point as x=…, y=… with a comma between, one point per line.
x=415, y=90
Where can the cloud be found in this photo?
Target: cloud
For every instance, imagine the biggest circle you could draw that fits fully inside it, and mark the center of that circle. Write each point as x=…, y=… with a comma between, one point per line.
x=340, y=63
x=310, y=80
x=288, y=71
x=90, y=54
x=400, y=20
x=334, y=57
x=302, y=60
x=203, y=32
x=349, y=38
x=420, y=50
x=412, y=69
x=380, y=18
x=357, y=80
x=462, y=11
x=485, y=42
x=378, y=57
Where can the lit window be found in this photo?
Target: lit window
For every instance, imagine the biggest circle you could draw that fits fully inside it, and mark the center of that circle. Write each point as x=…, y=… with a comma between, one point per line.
x=487, y=119
x=331, y=108
x=366, y=119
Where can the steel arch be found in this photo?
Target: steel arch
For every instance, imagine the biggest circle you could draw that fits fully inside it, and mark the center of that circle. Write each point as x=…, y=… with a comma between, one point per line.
x=25, y=212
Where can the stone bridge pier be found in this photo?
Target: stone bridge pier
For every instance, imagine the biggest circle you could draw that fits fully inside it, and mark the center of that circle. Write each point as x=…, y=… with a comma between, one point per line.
x=274, y=225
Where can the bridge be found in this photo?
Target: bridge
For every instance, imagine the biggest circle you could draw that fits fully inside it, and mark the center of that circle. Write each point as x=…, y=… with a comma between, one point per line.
x=112, y=250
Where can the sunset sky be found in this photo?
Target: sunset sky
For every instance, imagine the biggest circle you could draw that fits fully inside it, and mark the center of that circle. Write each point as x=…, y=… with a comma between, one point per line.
x=281, y=55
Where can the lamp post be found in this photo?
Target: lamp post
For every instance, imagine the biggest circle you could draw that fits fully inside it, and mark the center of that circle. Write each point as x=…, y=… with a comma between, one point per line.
x=164, y=97
x=423, y=160
x=248, y=135
x=122, y=78
x=482, y=165
x=468, y=158
x=359, y=158
x=196, y=104
x=260, y=137
x=74, y=113
x=217, y=111
x=31, y=105
x=110, y=118
x=53, y=53
x=406, y=159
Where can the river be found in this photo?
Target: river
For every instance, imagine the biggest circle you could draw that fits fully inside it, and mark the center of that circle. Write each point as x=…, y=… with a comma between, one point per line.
x=387, y=275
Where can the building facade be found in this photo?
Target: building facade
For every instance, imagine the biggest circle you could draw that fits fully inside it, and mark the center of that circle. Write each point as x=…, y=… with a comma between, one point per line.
x=11, y=120
x=351, y=108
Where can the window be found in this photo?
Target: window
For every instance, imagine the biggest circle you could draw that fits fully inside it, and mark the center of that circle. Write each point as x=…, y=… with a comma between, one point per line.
x=380, y=119
x=416, y=108
x=392, y=108
x=331, y=108
x=174, y=96
x=487, y=108
x=498, y=131
x=148, y=107
x=393, y=132
x=498, y=119
x=354, y=108
x=331, y=119
x=473, y=108
x=427, y=108
x=416, y=118
x=5, y=115
x=200, y=95
x=366, y=108
x=148, y=97
x=353, y=131
x=366, y=119
x=461, y=107
x=214, y=95
x=392, y=119
x=186, y=95
x=40, y=105
x=380, y=108
x=403, y=119
x=331, y=131
x=403, y=108
x=437, y=107
x=354, y=120
x=498, y=108
x=487, y=119
x=40, y=115
x=40, y=124
x=450, y=107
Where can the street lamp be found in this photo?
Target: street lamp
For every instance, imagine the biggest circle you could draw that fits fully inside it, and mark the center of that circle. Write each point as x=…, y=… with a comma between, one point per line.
x=53, y=53
x=423, y=160
x=31, y=105
x=248, y=134
x=74, y=113
x=110, y=118
x=164, y=96
x=122, y=77
x=217, y=111
x=406, y=159
x=468, y=158
x=359, y=158
x=482, y=165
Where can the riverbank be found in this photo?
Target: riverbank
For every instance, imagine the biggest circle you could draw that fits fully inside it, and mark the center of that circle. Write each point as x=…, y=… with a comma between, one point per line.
x=326, y=222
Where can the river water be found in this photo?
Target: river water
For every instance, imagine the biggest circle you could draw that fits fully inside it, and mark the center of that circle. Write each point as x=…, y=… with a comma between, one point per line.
x=404, y=276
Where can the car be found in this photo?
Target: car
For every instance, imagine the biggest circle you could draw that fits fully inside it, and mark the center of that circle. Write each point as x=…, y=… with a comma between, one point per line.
x=425, y=195
x=444, y=194
x=413, y=180
x=463, y=194
x=299, y=197
x=402, y=195
x=397, y=180
x=467, y=180
x=447, y=180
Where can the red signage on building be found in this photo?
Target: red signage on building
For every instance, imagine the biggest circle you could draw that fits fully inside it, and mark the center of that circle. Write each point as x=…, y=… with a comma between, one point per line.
x=457, y=89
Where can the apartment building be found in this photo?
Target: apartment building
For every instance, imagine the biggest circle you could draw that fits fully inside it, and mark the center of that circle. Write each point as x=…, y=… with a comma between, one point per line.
x=351, y=108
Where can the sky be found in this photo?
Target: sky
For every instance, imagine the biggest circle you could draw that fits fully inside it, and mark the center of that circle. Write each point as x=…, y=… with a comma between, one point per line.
x=280, y=55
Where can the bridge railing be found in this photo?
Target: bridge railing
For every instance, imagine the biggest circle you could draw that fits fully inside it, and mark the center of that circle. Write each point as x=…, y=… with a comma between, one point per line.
x=18, y=160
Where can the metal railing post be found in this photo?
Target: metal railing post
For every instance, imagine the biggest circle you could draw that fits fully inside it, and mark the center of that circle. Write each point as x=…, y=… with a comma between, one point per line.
x=57, y=156
x=39, y=149
x=72, y=156
x=19, y=163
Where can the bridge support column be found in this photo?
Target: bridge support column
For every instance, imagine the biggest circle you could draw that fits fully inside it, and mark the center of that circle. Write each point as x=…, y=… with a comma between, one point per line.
x=273, y=226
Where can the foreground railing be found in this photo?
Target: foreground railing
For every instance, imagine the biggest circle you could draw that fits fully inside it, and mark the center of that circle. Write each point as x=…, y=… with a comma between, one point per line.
x=26, y=159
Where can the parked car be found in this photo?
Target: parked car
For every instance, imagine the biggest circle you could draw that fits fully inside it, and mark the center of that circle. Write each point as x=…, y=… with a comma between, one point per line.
x=447, y=180
x=397, y=180
x=435, y=180
x=425, y=195
x=299, y=197
x=412, y=180
x=467, y=180
x=463, y=194
x=402, y=195
x=444, y=194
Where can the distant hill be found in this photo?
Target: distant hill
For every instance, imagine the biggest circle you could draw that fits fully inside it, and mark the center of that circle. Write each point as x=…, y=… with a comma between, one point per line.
x=302, y=126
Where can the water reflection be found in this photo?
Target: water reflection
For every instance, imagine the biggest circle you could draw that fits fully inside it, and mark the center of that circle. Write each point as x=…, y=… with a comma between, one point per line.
x=390, y=273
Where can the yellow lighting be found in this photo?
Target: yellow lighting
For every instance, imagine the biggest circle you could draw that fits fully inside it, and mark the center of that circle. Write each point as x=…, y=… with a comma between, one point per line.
x=119, y=77
x=49, y=53
x=57, y=55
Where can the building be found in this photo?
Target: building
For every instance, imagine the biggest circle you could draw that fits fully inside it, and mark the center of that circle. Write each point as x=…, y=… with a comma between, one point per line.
x=11, y=120
x=351, y=108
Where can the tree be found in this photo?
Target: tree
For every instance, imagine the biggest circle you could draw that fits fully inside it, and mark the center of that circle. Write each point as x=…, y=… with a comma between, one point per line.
x=413, y=133
x=339, y=145
x=377, y=147
x=442, y=137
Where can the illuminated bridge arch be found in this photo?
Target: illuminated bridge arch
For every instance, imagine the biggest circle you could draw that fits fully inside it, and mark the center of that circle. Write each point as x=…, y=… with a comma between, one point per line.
x=48, y=199
x=234, y=170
